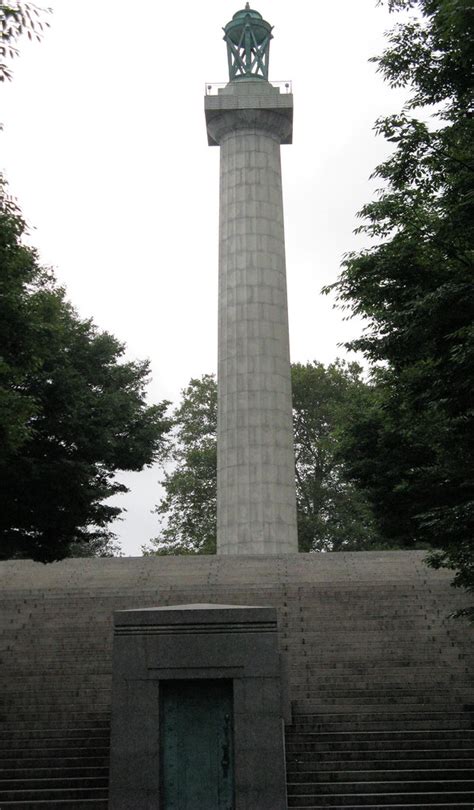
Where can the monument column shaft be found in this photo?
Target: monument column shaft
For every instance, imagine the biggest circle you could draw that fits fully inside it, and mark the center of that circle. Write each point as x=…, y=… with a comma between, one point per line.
x=256, y=504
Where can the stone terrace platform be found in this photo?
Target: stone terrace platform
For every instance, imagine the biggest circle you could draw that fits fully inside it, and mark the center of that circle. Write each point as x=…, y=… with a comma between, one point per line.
x=381, y=680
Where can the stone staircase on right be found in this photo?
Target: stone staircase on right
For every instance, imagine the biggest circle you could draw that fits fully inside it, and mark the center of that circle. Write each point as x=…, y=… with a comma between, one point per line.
x=383, y=704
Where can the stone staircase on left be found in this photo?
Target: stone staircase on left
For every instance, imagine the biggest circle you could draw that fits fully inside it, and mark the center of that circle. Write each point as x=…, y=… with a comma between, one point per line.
x=55, y=765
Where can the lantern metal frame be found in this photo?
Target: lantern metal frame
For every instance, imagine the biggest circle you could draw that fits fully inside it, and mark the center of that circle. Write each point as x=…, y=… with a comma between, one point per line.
x=248, y=37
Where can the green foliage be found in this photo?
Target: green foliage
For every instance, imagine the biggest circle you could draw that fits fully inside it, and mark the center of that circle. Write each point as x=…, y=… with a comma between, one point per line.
x=189, y=506
x=332, y=513
x=458, y=557
x=72, y=412
x=16, y=20
x=415, y=289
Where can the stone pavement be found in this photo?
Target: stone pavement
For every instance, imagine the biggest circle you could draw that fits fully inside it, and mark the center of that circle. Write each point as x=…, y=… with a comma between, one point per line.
x=380, y=678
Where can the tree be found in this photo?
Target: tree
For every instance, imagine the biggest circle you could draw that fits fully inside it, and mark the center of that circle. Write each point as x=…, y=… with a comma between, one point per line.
x=332, y=513
x=17, y=19
x=414, y=287
x=189, y=505
x=72, y=412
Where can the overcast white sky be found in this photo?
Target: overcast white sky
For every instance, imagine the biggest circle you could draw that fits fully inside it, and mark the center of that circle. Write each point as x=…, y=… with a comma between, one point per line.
x=105, y=148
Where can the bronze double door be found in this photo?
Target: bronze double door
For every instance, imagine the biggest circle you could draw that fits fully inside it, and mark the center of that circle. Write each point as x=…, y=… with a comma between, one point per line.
x=196, y=741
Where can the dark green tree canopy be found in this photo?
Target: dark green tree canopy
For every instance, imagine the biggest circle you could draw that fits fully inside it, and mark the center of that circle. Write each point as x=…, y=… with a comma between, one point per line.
x=72, y=412
x=415, y=289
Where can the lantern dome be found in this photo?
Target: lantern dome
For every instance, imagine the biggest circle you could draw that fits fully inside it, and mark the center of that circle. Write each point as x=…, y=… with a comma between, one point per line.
x=248, y=37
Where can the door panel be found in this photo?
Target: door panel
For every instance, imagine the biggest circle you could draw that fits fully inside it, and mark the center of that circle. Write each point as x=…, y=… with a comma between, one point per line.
x=196, y=742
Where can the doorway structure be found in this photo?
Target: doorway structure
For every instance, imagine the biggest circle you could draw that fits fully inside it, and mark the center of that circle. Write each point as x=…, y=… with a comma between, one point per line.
x=198, y=709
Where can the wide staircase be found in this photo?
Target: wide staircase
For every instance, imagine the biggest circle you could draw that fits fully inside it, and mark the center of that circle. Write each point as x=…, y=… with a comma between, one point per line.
x=380, y=677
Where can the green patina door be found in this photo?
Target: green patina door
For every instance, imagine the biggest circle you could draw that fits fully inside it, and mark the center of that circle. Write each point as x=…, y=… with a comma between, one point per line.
x=196, y=739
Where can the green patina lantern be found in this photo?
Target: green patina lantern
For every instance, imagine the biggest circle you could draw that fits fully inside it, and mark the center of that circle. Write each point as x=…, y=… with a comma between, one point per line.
x=248, y=38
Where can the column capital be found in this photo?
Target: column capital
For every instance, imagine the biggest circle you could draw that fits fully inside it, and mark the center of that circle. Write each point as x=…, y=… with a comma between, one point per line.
x=231, y=121
x=249, y=105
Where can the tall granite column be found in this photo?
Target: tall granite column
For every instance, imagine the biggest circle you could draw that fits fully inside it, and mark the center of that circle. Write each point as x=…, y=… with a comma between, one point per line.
x=256, y=503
